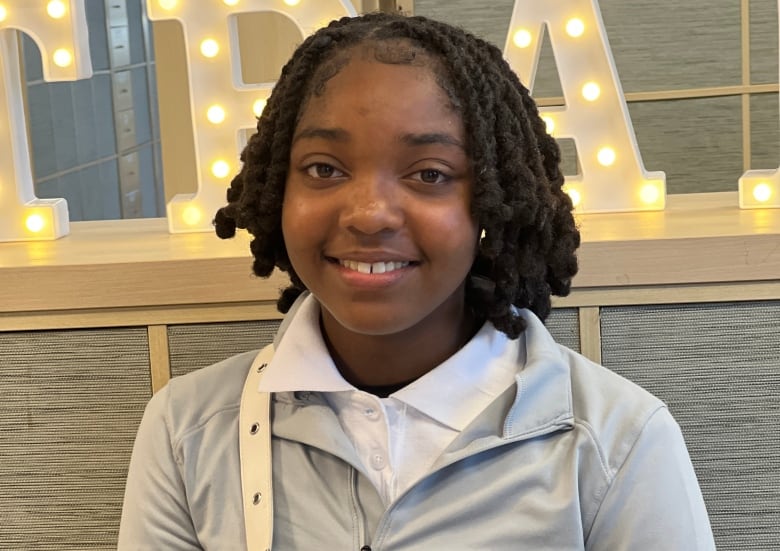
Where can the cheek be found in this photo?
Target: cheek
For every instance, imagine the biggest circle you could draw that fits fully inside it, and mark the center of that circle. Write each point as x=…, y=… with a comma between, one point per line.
x=452, y=235
x=294, y=229
x=294, y=215
x=304, y=224
x=287, y=233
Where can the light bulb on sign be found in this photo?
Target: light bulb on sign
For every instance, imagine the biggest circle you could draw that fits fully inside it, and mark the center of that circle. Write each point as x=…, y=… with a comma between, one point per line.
x=3, y=13
x=522, y=38
x=762, y=192
x=220, y=169
x=215, y=114
x=549, y=124
x=35, y=223
x=258, y=107
x=759, y=188
x=606, y=156
x=649, y=194
x=575, y=27
x=167, y=4
x=209, y=47
x=591, y=91
x=230, y=2
x=62, y=58
x=192, y=216
x=292, y=2
x=574, y=195
x=56, y=9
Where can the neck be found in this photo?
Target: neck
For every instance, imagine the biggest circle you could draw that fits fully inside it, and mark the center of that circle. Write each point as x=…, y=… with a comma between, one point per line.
x=385, y=360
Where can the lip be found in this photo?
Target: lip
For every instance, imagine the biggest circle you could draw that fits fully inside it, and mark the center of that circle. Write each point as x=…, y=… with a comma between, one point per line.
x=371, y=256
x=375, y=281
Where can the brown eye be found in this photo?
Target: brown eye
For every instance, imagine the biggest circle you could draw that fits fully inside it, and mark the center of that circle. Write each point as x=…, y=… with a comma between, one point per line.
x=431, y=176
x=322, y=170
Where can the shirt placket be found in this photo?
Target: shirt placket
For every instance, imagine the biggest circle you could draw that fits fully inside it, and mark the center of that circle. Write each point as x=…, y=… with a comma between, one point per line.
x=371, y=440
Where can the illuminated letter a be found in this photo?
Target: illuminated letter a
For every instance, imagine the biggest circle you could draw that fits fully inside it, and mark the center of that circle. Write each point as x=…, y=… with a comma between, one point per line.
x=612, y=177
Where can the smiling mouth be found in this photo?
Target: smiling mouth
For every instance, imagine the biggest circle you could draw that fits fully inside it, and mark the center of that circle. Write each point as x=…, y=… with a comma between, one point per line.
x=373, y=267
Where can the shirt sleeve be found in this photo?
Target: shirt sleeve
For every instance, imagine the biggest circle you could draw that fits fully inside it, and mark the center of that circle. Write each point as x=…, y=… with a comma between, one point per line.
x=155, y=514
x=654, y=501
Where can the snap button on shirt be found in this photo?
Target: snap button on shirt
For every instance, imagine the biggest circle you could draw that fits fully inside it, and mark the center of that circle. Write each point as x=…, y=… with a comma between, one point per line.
x=378, y=461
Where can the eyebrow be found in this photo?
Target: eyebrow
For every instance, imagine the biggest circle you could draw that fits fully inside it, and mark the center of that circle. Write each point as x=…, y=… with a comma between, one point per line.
x=341, y=135
x=330, y=134
x=431, y=138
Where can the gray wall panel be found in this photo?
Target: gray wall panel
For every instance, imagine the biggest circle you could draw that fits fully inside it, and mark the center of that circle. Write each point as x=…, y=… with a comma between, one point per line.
x=668, y=44
x=697, y=142
x=70, y=404
x=718, y=368
x=564, y=325
x=764, y=131
x=547, y=83
x=656, y=45
x=763, y=41
x=488, y=20
x=199, y=345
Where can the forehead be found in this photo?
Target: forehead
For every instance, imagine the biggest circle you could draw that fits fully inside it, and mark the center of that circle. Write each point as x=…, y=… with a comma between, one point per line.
x=392, y=51
x=391, y=94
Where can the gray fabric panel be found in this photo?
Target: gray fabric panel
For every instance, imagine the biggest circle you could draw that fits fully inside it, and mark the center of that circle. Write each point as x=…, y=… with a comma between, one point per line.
x=547, y=83
x=486, y=19
x=564, y=325
x=192, y=347
x=70, y=404
x=718, y=368
x=570, y=164
x=763, y=41
x=697, y=142
x=668, y=44
x=764, y=131
x=658, y=45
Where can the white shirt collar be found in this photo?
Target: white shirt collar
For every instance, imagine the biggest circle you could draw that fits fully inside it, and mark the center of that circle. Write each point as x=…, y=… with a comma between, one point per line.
x=453, y=393
x=456, y=391
x=301, y=360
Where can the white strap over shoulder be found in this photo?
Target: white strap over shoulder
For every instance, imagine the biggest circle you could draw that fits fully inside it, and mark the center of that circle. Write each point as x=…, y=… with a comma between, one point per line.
x=255, y=457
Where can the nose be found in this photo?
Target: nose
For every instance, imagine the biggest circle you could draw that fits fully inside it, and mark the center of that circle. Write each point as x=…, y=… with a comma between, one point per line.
x=372, y=205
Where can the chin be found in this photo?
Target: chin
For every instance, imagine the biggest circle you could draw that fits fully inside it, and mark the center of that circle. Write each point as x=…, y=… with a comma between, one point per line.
x=371, y=324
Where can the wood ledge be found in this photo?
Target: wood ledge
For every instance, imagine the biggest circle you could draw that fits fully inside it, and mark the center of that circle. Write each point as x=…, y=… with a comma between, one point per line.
x=699, y=239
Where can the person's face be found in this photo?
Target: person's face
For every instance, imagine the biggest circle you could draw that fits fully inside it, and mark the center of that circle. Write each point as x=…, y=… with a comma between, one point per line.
x=376, y=215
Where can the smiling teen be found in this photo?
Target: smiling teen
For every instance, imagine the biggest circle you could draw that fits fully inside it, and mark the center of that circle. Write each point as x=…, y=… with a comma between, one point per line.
x=402, y=177
x=377, y=219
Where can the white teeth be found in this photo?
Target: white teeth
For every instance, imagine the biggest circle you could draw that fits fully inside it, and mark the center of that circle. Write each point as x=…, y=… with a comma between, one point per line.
x=364, y=267
x=372, y=268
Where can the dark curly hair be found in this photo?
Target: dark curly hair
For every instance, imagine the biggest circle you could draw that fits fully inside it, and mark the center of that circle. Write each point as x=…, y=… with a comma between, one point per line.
x=528, y=250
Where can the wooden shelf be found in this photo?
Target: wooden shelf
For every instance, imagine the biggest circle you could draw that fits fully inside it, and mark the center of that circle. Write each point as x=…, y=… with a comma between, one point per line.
x=702, y=239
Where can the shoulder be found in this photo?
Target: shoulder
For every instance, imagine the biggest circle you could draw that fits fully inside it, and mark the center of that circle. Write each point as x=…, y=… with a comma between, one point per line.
x=197, y=397
x=584, y=391
x=612, y=409
x=596, y=388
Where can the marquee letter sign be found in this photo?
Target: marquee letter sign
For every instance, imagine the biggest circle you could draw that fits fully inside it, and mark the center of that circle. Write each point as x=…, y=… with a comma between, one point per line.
x=760, y=188
x=59, y=28
x=222, y=104
x=596, y=116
